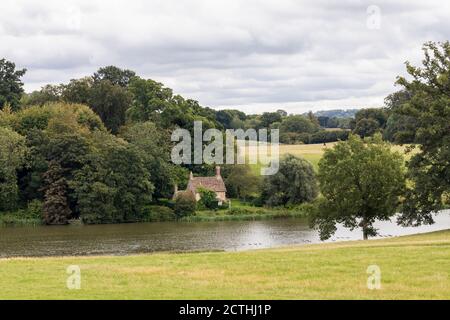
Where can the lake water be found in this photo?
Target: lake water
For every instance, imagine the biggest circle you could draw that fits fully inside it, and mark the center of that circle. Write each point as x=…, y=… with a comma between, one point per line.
x=121, y=239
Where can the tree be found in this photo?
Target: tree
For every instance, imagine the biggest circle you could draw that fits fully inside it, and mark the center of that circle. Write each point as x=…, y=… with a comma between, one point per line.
x=153, y=145
x=48, y=93
x=77, y=91
x=113, y=185
x=56, y=208
x=267, y=118
x=366, y=127
x=282, y=112
x=150, y=98
x=369, y=121
x=294, y=183
x=399, y=128
x=115, y=75
x=429, y=108
x=11, y=87
x=298, y=123
x=12, y=157
x=313, y=118
x=110, y=102
x=323, y=121
x=361, y=182
x=241, y=182
x=185, y=204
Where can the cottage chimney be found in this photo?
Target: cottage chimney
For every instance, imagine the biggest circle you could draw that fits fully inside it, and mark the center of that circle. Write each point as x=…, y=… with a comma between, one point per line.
x=218, y=172
x=175, y=188
x=191, y=176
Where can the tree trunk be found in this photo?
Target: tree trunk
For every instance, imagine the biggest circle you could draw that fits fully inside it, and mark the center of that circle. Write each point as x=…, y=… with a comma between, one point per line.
x=363, y=225
x=365, y=236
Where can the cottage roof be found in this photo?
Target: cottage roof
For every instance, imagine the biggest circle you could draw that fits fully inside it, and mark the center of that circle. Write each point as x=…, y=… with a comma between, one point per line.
x=215, y=184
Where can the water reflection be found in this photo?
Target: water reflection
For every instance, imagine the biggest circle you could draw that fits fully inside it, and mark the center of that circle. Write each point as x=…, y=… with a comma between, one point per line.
x=171, y=236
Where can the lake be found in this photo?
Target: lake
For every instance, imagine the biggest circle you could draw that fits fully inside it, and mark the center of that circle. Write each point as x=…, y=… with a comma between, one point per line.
x=122, y=239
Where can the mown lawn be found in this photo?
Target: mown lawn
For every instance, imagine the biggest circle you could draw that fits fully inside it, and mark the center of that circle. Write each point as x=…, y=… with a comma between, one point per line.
x=413, y=267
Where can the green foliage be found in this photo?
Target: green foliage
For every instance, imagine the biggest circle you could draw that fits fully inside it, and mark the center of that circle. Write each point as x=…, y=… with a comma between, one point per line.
x=361, y=182
x=48, y=93
x=157, y=213
x=268, y=118
x=294, y=183
x=185, y=204
x=110, y=102
x=114, y=75
x=113, y=185
x=241, y=182
x=400, y=128
x=153, y=145
x=428, y=107
x=208, y=199
x=38, y=117
x=231, y=119
x=11, y=87
x=12, y=157
x=369, y=121
x=56, y=208
x=297, y=124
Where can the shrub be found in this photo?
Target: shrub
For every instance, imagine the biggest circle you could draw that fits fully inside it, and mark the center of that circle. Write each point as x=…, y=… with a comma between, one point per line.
x=208, y=199
x=185, y=204
x=34, y=210
x=157, y=213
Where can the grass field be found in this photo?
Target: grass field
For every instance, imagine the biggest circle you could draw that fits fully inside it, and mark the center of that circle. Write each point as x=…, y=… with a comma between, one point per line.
x=412, y=267
x=310, y=152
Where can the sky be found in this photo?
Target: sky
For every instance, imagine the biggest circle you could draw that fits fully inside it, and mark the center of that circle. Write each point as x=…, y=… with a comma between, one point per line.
x=254, y=56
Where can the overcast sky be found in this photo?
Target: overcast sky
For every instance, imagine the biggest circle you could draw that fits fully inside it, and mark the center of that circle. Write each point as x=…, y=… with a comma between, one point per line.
x=251, y=55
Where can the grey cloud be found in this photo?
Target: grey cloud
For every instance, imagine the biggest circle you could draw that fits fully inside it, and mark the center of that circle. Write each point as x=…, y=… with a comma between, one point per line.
x=254, y=55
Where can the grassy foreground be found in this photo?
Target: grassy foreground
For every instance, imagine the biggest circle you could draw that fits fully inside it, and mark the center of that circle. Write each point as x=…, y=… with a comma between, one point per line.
x=413, y=267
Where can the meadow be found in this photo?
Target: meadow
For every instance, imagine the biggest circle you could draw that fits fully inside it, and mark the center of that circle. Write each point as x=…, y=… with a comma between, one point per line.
x=311, y=152
x=412, y=267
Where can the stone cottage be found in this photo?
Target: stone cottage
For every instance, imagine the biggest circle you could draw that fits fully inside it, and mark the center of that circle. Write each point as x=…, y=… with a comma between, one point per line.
x=215, y=184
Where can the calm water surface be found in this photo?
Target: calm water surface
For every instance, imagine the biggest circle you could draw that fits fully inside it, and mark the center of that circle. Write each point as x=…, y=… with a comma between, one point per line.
x=121, y=239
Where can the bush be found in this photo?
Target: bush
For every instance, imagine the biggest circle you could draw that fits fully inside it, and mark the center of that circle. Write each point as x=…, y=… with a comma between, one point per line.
x=157, y=213
x=30, y=215
x=294, y=183
x=240, y=211
x=185, y=204
x=208, y=199
x=33, y=210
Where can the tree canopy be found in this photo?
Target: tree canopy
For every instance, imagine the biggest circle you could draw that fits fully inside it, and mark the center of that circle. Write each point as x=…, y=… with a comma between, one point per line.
x=11, y=87
x=427, y=106
x=361, y=181
x=294, y=183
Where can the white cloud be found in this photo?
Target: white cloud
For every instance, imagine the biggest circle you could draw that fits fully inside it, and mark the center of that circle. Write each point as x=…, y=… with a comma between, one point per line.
x=252, y=55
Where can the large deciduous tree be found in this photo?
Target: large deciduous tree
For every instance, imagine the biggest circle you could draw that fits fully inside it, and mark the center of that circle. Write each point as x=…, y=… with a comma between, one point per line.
x=110, y=102
x=361, y=182
x=115, y=75
x=428, y=108
x=11, y=87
